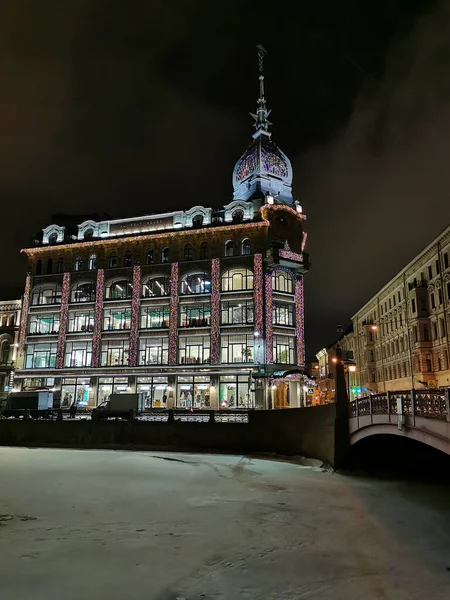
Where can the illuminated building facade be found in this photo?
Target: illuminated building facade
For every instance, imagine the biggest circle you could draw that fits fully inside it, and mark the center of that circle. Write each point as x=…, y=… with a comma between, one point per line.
x=199, y=308
x=9, y=342
x=401, y=336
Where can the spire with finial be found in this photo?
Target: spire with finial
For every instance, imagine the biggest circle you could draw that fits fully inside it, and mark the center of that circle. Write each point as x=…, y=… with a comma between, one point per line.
x=261, y=121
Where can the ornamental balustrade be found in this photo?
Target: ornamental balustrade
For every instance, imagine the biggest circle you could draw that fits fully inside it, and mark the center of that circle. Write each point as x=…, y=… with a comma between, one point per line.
x=431, y=404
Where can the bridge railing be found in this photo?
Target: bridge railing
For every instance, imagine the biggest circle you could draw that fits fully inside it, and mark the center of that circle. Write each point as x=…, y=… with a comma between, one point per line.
x=431, y=404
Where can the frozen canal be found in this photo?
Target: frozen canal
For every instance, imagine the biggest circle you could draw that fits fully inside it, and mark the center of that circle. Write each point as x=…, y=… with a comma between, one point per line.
x=83, y=525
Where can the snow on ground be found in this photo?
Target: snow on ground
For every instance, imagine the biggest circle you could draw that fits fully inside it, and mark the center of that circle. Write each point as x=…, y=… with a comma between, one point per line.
x=82, y=525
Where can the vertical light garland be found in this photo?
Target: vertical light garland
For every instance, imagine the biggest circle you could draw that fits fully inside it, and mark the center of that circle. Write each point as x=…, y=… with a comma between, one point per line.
x=300, y=322
x=63, y=321
x=269, y=318
x=24, y=315
x=215, y=310
x=259, y=308
x=135, y=316
x=173, y=318
x=98, y=317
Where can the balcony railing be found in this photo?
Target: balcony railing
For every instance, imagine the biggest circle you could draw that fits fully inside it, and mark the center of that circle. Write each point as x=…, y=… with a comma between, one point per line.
x=431, y=404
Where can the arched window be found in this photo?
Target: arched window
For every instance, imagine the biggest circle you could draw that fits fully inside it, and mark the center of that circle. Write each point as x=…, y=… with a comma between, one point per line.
x=11, y=320
x=52, y=239
x=46, y=294
x=196, y=283
x=156, y=286
x=127, y=259
x=204, y=250
x=92, y=262
x=229, y=248
x=49, y=268
x=59, y=265
x=234, y=280
x=78, y=263
x=197, y=221
x=119, y=290
x=39, y=267
x=83, y=292
x=282, y=282
x=246, y=247
x=89, y=234
x=5, y=350
x=113, y=260
x=238, y=216
x=149, y=256
x=165, y=255
x=188, y=252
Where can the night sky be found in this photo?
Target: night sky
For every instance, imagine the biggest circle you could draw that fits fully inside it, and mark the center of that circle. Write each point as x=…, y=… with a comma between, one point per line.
x=137, y=107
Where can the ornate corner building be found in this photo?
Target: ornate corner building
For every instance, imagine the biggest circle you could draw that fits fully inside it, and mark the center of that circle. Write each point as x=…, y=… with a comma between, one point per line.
x=200, y=308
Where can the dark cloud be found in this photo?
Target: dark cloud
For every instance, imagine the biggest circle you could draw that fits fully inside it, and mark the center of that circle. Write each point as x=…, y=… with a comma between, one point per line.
x=123, y=108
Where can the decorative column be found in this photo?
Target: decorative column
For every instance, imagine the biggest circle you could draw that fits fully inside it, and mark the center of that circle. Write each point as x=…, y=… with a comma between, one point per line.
x=259, y=308
x=215, y=310
x=269, y=318
x=133, y=352
x=24, y=315
x=63, y=321
x=173, y=318
x=300, y=322
x=98, y=315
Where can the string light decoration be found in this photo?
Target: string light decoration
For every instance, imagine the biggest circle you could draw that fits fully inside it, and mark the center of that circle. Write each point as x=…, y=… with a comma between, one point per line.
x=305, y=237
x=173, y=318
x=105, y=243
x=269, y=323
x=133, y=352
x=25, y=308
x=98, y=317
x=300, y=322
x=259, y=307
x=63, y=321
x=275, y=207
x=215, y=310
x=287, y=253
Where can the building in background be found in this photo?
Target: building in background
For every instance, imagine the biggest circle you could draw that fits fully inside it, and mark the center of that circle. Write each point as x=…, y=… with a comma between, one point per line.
x=198, y=308
x=342, y=348
x=9, y=342
x=402, y=333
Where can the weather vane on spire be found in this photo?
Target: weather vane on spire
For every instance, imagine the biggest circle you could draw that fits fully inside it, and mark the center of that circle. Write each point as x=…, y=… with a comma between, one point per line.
x=262, y=123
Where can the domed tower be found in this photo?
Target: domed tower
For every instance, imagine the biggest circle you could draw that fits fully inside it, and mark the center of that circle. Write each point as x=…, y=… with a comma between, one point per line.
x=263, y=169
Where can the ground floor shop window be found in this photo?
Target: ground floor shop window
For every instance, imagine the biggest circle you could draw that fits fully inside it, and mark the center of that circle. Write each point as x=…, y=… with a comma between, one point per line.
x=75, y=390
x=36, y=383
x=111, y=385
x=193, y=392
x=234, y=392
x=155, y=390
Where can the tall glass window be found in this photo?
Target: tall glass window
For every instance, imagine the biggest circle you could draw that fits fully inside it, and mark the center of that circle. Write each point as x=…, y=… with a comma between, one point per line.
x=165, y=255
x=195, y=315
x=84, y=292
x=234, y=392
x=193, y=392
x=157, y=286
x=78, y=354
x=237, y=279
x=204, y=250
x=155, y=317
x=283, y=314
x=41, y=356
x=237, y=348
x=246, y=247
x=114, y=319
x=46, y=295
x=284, y=349
x=115, y=353
x=188, y=252
x=46, y=323
x=198, y=283
x=119, y=290
x=111, y=385
x=282, y=282
x=127, y=259
x=237, y=312
x=229, y=248
x=75, y=391
x=78, y=263
x=153, y=351
x=155, y=390
x=81, y=320
x=92, y=262
x=194, y=350
x=149, y=256
x=113, y=260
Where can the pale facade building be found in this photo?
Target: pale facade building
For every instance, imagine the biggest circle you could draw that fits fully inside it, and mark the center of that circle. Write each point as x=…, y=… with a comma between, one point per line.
x=9, y=342
x=402, y=333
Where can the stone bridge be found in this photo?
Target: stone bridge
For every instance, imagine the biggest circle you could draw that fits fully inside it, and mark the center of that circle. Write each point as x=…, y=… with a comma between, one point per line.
x=423, y=416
